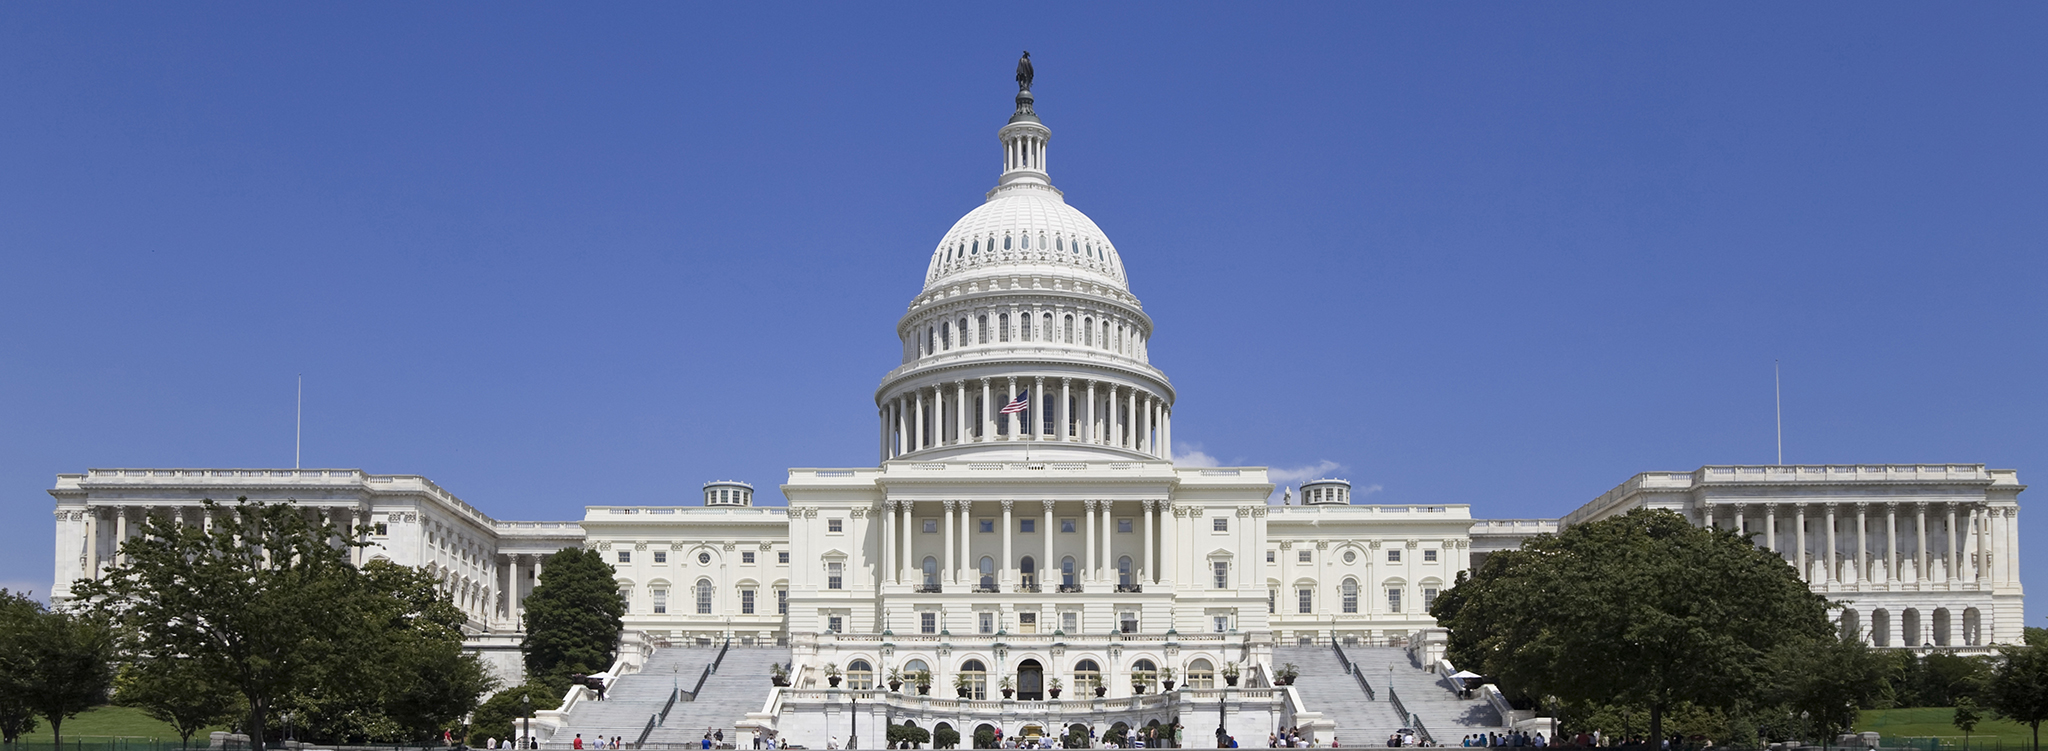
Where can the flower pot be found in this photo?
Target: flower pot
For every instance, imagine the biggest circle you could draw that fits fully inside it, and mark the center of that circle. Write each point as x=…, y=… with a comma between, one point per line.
x=779, y=681
x=1054, y=691
x=1137, y=688
x=1007, y=692
x=1229, y=680
x=895, y=685
x=1100, y=691
x=1168, y=684
x=834, y=680
x=963, y=693
x=924, y=690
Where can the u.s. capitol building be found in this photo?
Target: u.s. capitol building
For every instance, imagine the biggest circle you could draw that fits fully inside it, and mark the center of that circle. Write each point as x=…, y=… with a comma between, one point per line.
x=1024, y=527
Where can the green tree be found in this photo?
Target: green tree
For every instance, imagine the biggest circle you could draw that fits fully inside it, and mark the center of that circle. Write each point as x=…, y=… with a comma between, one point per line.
x=499, y=716
x=178, y=693
x=946, y=737
x=1826, y=681
x=256, y=601
x=573, y=616
x=1966, y=718
x=17, y=614
x=917, y=736
x=2018, y=689
x=68, y=662
x=1943, y=678
x=1643, y=609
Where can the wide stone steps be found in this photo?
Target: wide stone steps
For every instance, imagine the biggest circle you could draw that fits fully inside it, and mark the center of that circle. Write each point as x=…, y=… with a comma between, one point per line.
x=1325, y=687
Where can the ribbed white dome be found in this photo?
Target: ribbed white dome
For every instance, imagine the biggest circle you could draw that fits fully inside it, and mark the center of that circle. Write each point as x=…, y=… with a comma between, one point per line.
x=1025, y=228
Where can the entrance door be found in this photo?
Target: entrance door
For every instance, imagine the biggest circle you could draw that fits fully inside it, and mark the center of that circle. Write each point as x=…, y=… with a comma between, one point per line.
x=1030, y=681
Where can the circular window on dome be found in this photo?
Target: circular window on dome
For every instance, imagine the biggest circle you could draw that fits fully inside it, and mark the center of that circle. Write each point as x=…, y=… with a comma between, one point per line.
x=704, y=558
x=1350, y=556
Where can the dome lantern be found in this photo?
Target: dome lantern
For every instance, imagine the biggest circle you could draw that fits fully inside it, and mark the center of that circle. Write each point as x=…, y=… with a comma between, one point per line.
x=1326, y=492
x=728, y=493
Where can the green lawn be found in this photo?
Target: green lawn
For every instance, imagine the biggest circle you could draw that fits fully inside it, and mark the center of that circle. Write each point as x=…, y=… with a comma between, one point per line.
x=110, y=721
x=1922, y=722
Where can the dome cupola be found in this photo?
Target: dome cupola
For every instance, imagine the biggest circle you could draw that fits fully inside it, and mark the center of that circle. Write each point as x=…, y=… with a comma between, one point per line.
x=1025, y=338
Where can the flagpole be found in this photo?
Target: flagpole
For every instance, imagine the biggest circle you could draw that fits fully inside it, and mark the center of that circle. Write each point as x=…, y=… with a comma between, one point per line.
x=1778, y=391
x=299, y=422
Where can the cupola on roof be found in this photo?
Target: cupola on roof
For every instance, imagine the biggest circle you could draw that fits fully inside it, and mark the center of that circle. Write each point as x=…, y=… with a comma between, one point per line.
x=1025, y=226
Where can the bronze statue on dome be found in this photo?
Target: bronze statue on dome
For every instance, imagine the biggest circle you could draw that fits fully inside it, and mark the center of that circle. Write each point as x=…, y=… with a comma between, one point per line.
x=1024, y=72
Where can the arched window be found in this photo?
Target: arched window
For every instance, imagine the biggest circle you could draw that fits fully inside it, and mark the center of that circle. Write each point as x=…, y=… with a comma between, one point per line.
x=1067, y=331
x=1143, y=671
x=1006, y=242
x=931, y=571
x=988, y=574
x=1123, y=572
x=1350, y=595
x=976, y=679
x=1028, y=569
x=974, y=249
x=1046, y=330
x=1086, y=676
x=703, y=596
x=1201, y=674
x=1088, y=331
x=981, y=329
x=860, y=675
x=946, y=335
x=1067, y=573
x=1026, y=240
x=1025, y=333
x=1003, y=326
x=914, y=666
x=1059, y=243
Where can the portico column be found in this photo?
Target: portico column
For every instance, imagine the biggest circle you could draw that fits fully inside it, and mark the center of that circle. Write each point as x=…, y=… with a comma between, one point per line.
x=1920, y=553
x=966, y=542
x=1771, y=526
x=1066, y=412
x=917, y=442
x=1088, y=430
x=1007, y=562
x=1131, y=402
x=1166, y=431
x=1169, y=541
x=1831, y=576
x=1108, y=533
x=947, y=566
x=902, y=426
x=907, y=554
x=1047, y=564
x=1799, y=532
x=1952, y=555
x=1141, y=417
x=1151, y=573
x=1038, y=402
x=1089, y=544
x=120, y=534
x=1741, y=524
x=988, y=426
x=1862, y=544
x=2012, y=545
x=1010, y=420
x=1891, y=542
x=888, y=567
x=92, y=543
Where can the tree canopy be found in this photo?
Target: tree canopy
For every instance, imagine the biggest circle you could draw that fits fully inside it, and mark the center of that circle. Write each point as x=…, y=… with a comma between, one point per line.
x=2018, y=689
x=1642, y=610
x=55, y=663
x=573, y=617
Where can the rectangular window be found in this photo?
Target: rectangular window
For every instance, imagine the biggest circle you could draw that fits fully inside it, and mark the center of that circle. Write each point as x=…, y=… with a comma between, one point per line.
x=931, y=526
x=782, y=602
x=832, y=574
x=660, y=556
x=1350, y=597
x=1222, y=623
x=835, y=624
x=927, y=623
x=1272, y=601
x=1303, y=556
x=1123, y=526
x=1394, y=556
x=1027, y=623
x=1428, y=556
x=747, y=601
x=1027, y=526
x=1269, y=556
x=703, y=598
x=782, y=557
x=1066, y=526
x=380, y=529
x=1222, y=571
x=1127, y=622
x=835, y=525
x=747, y=557
x=626, y=599
x=1307, y=598
x=1070, y=622
x=987, y=526
x=986, y=622
x=1393, y=599
x=660, y=601
x=625, y=556
x=1220, y=524
x=1428, y=597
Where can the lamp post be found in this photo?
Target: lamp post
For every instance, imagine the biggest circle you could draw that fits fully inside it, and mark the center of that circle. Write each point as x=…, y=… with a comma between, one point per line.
x=526, y=706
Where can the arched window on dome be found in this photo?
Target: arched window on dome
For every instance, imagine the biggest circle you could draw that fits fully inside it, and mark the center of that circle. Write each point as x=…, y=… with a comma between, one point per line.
x=1067, y=330
x=1059, y=243
x=1105, y=335
x=1041, y=240
x=981, y=329
x=946, y=335
x=1026, y=241
x=1003, y=326
x=974, y=249
x=1073, y=417
x=964, y=332
x=1088, y=331
x=1006, y=242
x=1046, y=330
x=1024, y=335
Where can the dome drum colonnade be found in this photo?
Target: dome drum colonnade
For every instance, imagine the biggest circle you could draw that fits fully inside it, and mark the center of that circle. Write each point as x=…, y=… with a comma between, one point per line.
x=1025, y=296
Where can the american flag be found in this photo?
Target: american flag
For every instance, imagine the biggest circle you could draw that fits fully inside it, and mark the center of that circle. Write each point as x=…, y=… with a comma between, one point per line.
x=1018, y=404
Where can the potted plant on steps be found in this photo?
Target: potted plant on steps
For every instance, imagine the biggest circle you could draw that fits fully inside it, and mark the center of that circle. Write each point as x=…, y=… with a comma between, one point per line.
x=923, y=679
x=1230, y=674
x=1053, y=687
x=832, y=674
x=1285, y=675
x=1004, y=684
x=960, y=684
x=1140, y=680
x=1100, y=690
x=778, y=675
x=1166, y=678
x=895, y=679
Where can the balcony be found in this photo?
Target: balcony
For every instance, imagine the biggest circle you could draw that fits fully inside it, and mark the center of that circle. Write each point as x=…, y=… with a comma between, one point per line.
x=986, y=590
x=1067, y=588
x=929, y=589
x=1031, y=588
x=1130, y=587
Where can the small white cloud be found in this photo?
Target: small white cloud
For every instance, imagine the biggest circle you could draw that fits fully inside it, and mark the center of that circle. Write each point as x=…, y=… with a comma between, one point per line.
x=1357, y=492
x=1194, y=457
x=1294, y=475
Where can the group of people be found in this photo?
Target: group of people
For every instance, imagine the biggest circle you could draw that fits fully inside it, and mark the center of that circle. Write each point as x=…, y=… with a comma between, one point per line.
x=496, y=743
x=1292, y=738
x=1516, y=739
x=613, y=743
x=1407, y=737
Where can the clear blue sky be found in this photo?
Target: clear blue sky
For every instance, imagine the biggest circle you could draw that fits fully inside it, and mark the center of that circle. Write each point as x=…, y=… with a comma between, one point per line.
x=552, y=255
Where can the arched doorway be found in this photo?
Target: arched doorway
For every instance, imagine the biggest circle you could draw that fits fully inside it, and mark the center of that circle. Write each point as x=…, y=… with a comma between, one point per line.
x=1030, y=681
x=985, y=736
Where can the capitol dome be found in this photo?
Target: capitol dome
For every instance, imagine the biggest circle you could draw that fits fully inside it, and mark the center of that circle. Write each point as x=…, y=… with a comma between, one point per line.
x=1025, y=341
